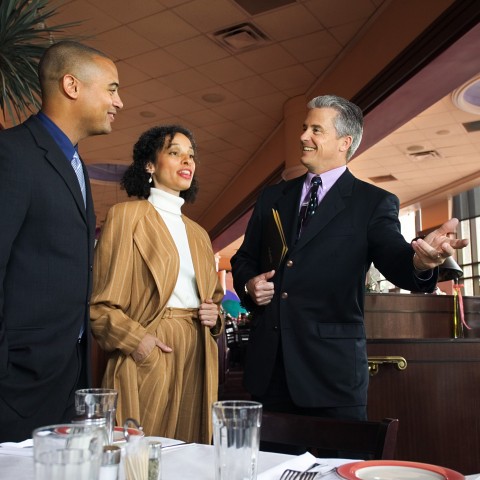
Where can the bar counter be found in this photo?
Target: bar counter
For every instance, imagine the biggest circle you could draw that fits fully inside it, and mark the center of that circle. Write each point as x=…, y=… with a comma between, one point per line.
x=425, y=378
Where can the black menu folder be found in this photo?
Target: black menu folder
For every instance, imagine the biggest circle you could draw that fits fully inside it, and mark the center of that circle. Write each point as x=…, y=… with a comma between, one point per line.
x=274, y=244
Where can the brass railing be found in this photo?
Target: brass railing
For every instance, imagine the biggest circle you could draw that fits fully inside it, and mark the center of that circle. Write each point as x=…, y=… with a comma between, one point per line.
x=375, y=362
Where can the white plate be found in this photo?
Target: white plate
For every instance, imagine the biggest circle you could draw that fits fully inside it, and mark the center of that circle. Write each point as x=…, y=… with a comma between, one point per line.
x=396, y=470
x=394, y=473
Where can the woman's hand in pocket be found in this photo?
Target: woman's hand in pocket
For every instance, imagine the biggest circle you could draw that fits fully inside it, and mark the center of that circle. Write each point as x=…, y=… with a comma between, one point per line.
x=145, y=347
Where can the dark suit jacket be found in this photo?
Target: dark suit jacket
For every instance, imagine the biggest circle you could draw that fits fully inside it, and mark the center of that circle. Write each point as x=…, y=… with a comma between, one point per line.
x=46, y=254
x=318, y=308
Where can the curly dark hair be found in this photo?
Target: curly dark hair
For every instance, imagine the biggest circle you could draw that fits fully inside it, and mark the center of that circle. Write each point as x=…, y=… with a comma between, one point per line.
x=135, y=179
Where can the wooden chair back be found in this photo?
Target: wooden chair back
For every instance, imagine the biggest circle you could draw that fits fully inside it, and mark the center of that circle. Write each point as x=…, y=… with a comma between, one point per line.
x=367, y=440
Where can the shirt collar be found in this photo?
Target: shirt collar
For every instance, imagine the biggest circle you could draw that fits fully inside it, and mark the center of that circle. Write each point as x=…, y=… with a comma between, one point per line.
x=328, y=178
x=58, y=136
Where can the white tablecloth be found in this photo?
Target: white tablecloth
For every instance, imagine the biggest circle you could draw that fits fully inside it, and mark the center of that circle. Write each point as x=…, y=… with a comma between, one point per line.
x=192, y=462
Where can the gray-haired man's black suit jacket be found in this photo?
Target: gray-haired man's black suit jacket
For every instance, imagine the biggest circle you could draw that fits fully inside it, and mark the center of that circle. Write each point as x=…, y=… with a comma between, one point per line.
x=318, y=308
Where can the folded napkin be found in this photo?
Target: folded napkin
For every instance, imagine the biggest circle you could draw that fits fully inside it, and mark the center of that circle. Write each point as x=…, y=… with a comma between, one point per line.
x=22, y=449
x=166, y=442
x=301, y=463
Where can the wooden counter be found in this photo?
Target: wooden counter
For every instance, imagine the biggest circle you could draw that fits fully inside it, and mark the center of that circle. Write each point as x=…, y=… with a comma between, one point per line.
x=437, y=396
x=396, y=315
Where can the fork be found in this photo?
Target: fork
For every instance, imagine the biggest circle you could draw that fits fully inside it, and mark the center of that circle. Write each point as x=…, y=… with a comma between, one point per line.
x=306, y=474
x=296, y=475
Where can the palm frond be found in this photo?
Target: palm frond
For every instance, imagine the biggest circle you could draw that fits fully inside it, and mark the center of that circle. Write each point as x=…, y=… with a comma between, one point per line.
x=24, y=37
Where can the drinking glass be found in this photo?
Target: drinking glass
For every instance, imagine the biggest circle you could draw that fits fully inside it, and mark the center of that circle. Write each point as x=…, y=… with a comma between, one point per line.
x=102, y=402
x=236, y=438
x=67, y=451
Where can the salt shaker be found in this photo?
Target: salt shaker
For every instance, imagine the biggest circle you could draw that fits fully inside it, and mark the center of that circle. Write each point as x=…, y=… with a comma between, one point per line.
x=154, y=460
x=110, y=462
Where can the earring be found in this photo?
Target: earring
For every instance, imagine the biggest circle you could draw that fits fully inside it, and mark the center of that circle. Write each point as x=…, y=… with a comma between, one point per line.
x=150, y=179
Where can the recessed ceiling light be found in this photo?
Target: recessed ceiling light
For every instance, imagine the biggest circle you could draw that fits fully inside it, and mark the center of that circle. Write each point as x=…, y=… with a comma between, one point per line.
x=442, y=132
x=213, y=97
x=415, y=148
x=147, y=114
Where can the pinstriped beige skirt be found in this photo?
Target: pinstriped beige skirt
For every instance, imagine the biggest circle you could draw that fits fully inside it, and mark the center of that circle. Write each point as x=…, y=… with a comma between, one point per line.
x=173, y=399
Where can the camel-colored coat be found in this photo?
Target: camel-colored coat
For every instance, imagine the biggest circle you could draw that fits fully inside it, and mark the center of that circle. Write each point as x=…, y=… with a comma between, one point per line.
x=136, y=266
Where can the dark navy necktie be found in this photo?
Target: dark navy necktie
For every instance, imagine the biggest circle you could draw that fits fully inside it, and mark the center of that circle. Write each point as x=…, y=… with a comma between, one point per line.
x=310, y=205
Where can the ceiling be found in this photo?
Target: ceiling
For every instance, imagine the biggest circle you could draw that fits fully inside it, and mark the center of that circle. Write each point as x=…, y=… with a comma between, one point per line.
x=173, y=69
x=431, y=152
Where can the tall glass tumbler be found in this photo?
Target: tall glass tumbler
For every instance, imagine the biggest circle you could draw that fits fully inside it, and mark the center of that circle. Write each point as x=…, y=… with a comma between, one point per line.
x=67, y=451
x=95, y=402
x=236, y=439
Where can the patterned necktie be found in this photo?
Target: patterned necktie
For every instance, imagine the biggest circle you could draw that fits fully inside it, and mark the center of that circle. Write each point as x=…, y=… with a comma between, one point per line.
x=77, y=168
x=308, y=208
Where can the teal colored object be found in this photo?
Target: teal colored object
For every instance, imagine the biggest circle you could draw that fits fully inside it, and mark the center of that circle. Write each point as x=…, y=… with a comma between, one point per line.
x=233, y=308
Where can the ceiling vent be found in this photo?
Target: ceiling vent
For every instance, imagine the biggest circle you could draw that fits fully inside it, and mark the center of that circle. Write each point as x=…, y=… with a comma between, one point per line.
x=424, y=155
x=472, y=126
x=241, y=38
x=383, y=178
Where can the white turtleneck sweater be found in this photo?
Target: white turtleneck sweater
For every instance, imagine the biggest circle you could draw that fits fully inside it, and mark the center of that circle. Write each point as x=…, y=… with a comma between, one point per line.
x=185, y=294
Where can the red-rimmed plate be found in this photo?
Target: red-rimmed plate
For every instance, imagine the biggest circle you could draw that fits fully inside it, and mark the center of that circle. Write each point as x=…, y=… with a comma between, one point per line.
x=396, y=470
x=64, y=430
x=119, y=437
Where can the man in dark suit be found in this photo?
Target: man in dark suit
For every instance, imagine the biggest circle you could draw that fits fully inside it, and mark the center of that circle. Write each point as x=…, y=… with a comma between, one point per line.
x=307, y=348
x=47, y=226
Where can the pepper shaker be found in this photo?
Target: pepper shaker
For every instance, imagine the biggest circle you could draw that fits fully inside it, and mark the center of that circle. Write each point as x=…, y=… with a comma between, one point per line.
x=154, y=460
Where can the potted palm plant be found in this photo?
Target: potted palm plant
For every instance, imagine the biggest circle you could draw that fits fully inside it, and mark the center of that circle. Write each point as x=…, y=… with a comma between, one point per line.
x=25, y=34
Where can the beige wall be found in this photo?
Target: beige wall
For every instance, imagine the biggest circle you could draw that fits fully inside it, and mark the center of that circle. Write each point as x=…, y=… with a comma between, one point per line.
x=435, y=214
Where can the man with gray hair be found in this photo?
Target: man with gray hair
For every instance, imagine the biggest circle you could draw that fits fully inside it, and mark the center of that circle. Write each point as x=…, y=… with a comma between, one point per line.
x=307, y=347
x=47, y=222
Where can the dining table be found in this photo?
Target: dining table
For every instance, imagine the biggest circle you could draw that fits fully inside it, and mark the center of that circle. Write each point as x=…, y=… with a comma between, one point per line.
x=179, y=461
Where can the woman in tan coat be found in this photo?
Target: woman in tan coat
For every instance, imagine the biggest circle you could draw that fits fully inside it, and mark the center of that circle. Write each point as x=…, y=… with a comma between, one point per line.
x=156, y=294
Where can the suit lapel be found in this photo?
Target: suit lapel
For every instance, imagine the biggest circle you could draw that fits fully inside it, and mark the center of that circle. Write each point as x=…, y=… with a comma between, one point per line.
x=89, y=204
x=56, y=158
x=331, y=205
x=287, y=206
x=158, y=250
